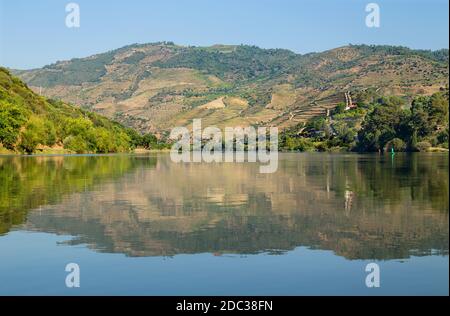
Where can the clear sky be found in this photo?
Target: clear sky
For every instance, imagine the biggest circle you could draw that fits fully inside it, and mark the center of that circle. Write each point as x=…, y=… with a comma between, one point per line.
x=34, y=33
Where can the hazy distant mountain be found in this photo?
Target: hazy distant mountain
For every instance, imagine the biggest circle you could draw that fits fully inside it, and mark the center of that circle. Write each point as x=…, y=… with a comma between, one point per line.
x=154, y=87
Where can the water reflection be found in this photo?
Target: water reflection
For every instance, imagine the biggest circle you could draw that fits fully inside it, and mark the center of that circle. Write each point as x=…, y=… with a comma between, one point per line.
x=359, y=206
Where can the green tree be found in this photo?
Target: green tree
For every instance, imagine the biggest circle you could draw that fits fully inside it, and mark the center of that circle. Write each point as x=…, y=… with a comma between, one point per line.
x=76, y=144
x=149, y=141
x=33, y=135
x=77, y=126
x=50, y=133
x=379, y=127
x=135, y=137
x=104, y=141
x=339, y=109
x=397, y=144
x=12, y=117
x=29, y=141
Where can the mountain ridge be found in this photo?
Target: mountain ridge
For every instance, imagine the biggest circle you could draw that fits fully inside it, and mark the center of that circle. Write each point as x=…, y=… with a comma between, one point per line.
x=441, y=53
x=154, y=87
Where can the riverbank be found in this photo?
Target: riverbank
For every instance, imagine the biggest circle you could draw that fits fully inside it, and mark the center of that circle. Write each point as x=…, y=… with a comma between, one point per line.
x=61, y=151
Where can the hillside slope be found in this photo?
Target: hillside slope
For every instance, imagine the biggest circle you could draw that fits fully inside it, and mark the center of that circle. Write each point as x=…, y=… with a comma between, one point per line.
x=154, y=87
x=31, y=123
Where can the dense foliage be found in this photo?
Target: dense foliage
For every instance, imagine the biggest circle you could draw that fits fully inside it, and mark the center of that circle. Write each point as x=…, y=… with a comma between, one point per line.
x=29, y=122
x=244, y=62
x=440, y=55
x=74, y=72
x=377, y=124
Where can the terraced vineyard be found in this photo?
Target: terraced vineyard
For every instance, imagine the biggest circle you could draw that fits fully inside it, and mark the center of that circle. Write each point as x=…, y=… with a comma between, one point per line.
x=154, y=87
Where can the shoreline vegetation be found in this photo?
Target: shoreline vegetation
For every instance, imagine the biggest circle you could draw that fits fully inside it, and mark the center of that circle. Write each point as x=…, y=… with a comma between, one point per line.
x=57, y=151
x=377, y=123
x=32, y=124
x=140, y=151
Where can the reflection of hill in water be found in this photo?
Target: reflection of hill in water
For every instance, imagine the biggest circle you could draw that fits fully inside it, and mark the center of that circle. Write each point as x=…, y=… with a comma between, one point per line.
x=358, y=206
x=29, y=182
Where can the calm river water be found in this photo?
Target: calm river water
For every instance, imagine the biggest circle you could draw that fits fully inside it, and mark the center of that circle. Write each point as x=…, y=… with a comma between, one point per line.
x=143, y=225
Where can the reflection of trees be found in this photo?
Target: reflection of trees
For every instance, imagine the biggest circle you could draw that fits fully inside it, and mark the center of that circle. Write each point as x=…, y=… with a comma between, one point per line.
x=420, y=177
x=29, y=182
x=360, y=206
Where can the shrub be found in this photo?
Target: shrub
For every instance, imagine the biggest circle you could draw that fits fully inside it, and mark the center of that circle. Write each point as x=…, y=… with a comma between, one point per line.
x=28, y=141
x=397, y=144
x=442, y=137
x=340, y=108
x=77, y=126
x=298, y=144
x=321, y=146
x=104, y=141
x=33, y=135
x=76, y=144
x=50, y=133
x=423, y=146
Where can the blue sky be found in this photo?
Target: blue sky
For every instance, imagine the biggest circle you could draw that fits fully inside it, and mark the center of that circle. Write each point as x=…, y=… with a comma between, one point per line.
x=33, y=33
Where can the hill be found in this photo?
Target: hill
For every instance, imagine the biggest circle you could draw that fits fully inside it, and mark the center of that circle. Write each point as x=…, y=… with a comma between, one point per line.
x=154, y=87
x=31, y=123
